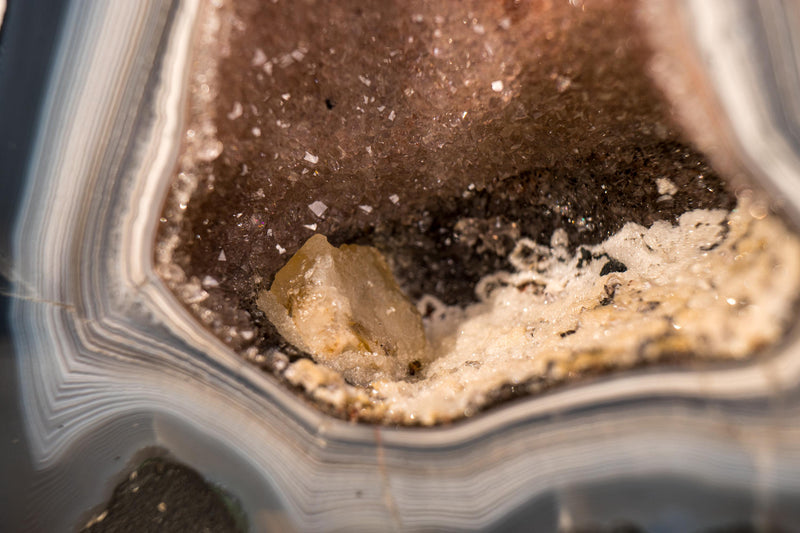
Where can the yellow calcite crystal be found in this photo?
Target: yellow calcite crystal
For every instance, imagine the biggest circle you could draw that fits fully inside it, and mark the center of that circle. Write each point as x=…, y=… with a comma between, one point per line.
x=343, y=307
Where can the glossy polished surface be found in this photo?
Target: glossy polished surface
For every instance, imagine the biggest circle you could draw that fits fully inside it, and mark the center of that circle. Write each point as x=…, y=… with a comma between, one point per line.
x=108, y=362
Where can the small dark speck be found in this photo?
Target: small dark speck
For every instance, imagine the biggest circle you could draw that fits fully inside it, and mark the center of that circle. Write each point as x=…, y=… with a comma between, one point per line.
x=586, y=257
x=649, y=306
x=567, y=333
x=329, y=103
x=613, y=266
x=611, y=290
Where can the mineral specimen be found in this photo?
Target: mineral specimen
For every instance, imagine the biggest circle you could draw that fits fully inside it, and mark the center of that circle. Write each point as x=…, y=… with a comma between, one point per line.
x=484, y=149
x=711, y=287
x=114, y=346
x=344, y=307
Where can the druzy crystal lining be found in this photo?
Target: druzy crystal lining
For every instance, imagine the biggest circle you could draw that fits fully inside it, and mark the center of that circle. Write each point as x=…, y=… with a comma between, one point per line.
x=440, y=134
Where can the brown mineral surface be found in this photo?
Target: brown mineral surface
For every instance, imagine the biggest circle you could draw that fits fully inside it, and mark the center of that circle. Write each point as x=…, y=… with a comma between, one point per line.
x=441, y=133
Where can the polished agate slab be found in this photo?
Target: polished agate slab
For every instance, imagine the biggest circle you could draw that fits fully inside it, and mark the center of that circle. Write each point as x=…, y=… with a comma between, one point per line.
x=112, y=356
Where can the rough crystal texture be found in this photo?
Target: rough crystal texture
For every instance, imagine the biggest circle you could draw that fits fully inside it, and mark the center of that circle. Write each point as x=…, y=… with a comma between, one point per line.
x=441, y=133
x=714, y=286
x=344, y=307
x=398, y=101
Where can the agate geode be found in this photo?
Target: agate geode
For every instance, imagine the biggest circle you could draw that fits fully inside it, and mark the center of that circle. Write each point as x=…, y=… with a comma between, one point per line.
x=117, y=352
x=469, y=147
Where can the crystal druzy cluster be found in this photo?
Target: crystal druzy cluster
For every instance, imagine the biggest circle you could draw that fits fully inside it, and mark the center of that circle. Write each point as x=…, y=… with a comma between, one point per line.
x=367, y=190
